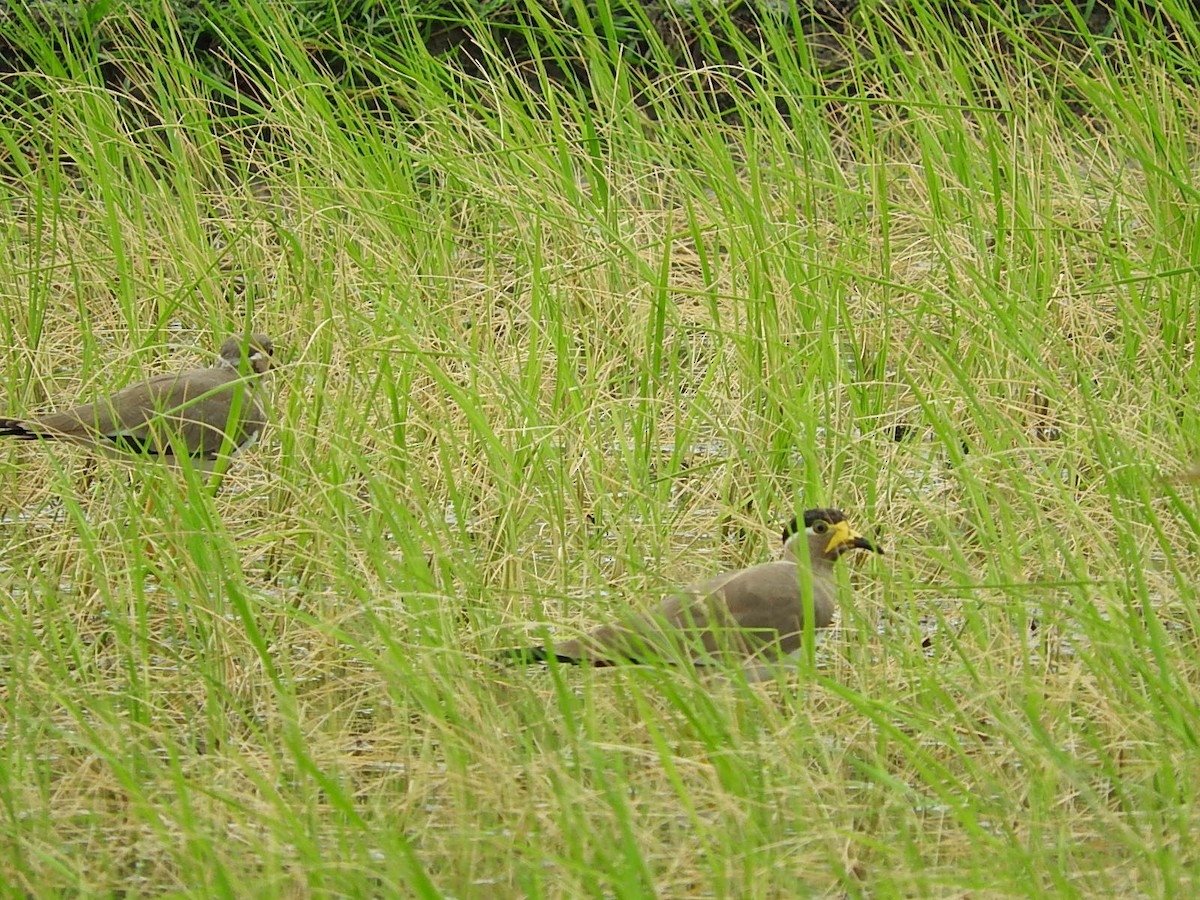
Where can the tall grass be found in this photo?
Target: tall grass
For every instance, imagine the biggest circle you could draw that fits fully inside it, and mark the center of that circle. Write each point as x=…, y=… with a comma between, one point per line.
x=555, y=348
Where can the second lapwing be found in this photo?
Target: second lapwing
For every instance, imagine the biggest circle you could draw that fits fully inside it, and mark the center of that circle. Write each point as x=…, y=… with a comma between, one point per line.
x=202, y=414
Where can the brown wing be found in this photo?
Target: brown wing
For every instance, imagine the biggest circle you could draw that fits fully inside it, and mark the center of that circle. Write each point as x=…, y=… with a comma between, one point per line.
x=753, y=609
x=764, y=604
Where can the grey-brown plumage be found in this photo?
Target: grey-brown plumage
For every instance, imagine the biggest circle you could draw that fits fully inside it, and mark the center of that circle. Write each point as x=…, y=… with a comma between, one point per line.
x=200, y=412
x=754, y=616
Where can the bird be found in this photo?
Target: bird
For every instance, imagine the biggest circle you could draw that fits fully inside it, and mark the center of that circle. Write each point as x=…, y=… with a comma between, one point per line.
x=754, y=616
x=202, y=413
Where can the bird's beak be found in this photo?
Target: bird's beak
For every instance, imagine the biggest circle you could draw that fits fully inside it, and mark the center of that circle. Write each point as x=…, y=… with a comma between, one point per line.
x=846, y=538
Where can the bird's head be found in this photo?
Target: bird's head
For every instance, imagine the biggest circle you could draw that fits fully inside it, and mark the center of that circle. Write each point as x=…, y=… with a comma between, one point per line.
x=257, y=350
x=828, y=534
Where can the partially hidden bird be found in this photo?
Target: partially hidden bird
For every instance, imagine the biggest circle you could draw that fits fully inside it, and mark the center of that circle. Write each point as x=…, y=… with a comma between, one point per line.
x=754, y=617
x=201, y=413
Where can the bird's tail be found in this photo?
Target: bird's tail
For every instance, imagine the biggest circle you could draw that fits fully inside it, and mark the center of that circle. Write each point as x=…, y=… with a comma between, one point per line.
x=16, y=428
x=528, y=656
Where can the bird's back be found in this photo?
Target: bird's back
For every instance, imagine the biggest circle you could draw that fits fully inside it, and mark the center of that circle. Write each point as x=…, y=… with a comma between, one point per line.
x=756, y=611
x=191, y=409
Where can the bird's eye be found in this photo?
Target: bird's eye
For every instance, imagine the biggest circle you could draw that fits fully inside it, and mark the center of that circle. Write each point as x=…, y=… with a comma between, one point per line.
x=820, y=526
